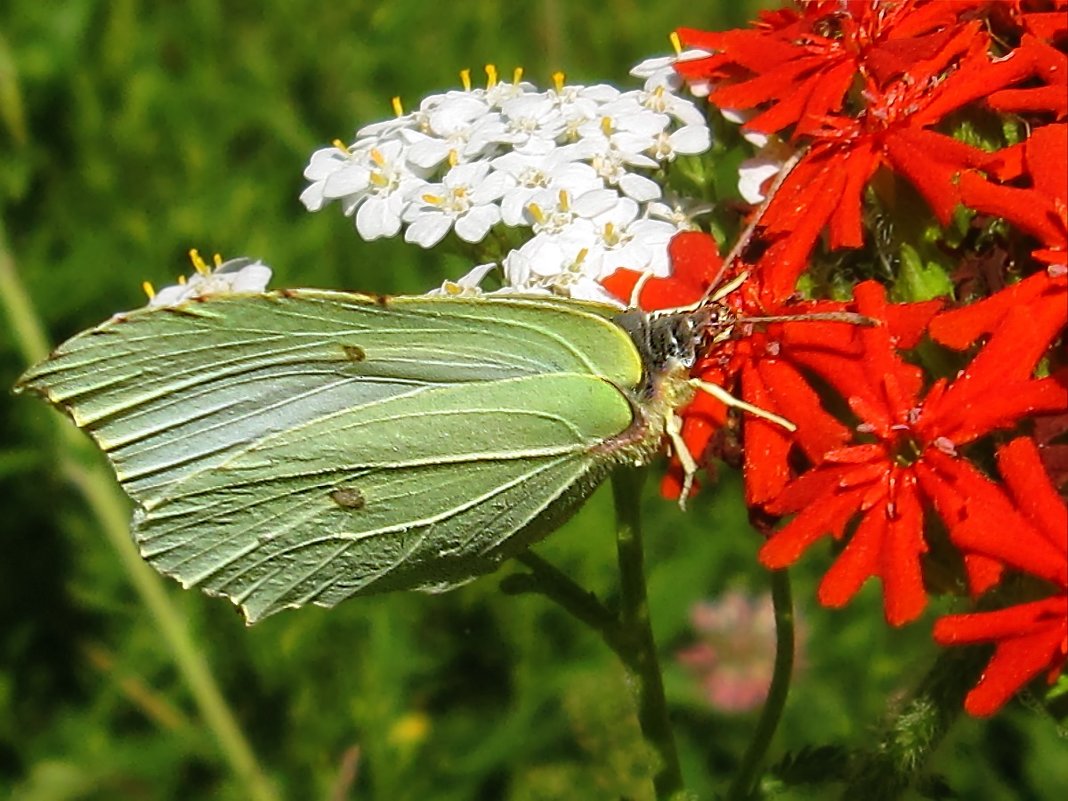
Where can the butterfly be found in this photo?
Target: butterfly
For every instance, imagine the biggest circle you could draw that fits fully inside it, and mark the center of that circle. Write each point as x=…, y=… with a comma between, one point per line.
x=304, y=446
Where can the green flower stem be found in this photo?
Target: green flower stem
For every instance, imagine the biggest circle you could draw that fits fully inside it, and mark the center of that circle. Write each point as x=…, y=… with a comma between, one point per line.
x=745, y=779
x=80, y=464
x=637, y=646
x=629, y=634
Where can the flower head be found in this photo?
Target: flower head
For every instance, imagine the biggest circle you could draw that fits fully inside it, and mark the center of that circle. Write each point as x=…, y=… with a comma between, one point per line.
x=906, y=457
x=581, y=164
x=862, y=85
x=733, y=658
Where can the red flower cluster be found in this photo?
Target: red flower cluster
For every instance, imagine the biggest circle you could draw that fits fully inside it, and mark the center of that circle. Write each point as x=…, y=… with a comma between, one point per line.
x=891, y=451
x=862, y=84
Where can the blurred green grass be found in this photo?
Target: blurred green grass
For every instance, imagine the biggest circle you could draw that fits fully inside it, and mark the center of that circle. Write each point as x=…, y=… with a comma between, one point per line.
x=132, y=131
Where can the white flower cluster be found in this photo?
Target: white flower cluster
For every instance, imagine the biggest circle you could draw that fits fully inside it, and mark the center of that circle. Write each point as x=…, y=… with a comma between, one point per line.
x=576, y=165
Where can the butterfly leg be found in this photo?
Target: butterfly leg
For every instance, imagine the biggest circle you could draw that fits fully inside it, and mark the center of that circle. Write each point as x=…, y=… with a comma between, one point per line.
x=673, y=429
x=727, y=399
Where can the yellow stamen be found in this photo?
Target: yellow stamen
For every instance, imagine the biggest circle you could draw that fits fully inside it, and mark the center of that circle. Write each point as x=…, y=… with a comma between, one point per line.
x=465, y=79
x=558, y=81
x=565, y=200
x=378, y=179
x=536, y=213
x=377, y=157
x=181, y=280
x=341, y=146
x=491, y=75
x=217, y=258
x=433, y=200
x=517, y=75
x=149, y=289
x=581, y=256
x=676, y=42
x=454, y=158
x=398, y=109
x=198, y=263
x=607, y=127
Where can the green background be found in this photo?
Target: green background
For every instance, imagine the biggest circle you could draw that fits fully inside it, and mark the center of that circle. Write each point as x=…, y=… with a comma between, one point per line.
x=132, y=131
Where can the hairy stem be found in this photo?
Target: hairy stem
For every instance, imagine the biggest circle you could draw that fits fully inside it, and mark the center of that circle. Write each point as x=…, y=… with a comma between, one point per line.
x=745, y=780
x=80, y=464
x=637, y=645
x=898, y=761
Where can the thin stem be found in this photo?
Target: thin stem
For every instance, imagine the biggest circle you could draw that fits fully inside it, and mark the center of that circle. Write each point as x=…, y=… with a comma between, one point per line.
x=548, y=580
x=745, y=780
x=80, y=464
x=638, y=647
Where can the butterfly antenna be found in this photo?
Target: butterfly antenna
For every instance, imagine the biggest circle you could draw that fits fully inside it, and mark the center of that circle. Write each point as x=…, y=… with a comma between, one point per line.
x=746, y=236
x=807, y=317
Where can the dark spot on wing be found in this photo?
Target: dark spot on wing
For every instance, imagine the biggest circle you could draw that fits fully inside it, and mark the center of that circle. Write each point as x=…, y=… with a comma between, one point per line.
x=347, y=498
x=354, y=353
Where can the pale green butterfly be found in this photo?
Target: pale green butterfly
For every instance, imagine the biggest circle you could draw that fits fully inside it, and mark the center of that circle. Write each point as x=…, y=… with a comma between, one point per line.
x=304, y=446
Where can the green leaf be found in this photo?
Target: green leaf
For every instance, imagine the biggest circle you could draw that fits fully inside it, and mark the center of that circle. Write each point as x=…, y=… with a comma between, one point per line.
x=918, y=280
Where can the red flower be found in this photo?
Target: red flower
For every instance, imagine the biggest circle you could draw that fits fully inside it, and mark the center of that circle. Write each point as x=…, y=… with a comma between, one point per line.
x=1030, y=638
x=914, y=62
x=908, y=458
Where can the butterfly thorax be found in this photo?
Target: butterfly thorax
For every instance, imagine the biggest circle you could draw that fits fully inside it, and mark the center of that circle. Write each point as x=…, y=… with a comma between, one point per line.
x=668, y=341
x=668, y=345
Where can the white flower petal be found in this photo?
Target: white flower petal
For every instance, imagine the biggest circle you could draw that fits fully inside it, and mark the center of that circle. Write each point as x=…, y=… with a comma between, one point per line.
x=350, y=179
x=379, y=217
x=473, y=226
x=639, y=187
x=240, y=275
x=596, y=202
x=427, y=230
x=752, y=175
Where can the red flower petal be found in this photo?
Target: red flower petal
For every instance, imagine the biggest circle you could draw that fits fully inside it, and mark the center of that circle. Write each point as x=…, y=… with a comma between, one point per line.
x=767, y=445
x=904, y=597
x=859, y=560
x=793, y=398
x=1022, y=207
x=1022, y=471
x=931, y=162
x=829, y=516
x=1031, y=638
x=961, y=327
